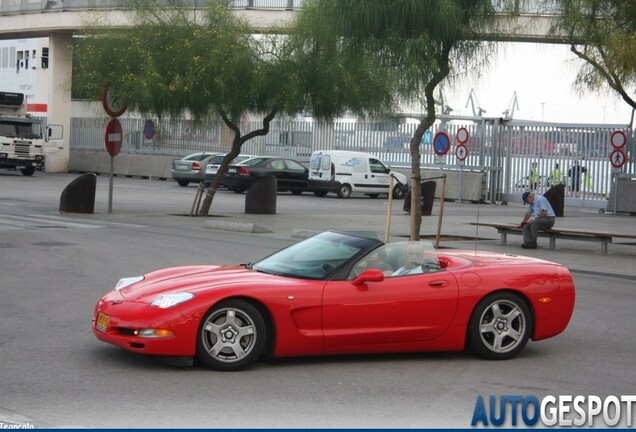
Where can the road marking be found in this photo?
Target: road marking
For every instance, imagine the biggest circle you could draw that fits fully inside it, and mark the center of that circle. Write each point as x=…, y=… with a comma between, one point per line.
x=37, y=221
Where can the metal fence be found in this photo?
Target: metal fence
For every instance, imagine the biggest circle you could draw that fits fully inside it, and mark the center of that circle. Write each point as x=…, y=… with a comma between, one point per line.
x=504, y=150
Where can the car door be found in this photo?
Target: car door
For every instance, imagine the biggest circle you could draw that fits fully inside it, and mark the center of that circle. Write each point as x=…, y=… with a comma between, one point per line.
x=379, y=175
x=398, y=309
x=278, y=169
x=296, y=175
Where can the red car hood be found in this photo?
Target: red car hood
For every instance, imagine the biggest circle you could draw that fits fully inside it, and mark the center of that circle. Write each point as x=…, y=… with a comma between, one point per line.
x=194, y=279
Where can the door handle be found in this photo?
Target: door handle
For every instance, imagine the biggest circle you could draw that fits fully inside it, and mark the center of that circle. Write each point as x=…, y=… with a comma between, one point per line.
x=438, y=284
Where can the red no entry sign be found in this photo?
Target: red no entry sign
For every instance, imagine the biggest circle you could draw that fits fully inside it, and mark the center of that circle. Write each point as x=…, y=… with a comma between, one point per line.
x=113, y=137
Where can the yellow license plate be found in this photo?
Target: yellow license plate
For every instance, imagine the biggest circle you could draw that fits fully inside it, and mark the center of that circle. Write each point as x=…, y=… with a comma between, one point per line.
x=102, y=322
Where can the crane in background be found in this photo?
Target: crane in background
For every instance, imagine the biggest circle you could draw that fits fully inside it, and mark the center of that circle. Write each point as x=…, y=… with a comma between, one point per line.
x=478, y=111
x=510, y=111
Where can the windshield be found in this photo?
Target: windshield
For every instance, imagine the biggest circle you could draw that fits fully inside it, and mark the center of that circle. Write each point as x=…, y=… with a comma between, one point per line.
x=317, y=257
x=21, y=129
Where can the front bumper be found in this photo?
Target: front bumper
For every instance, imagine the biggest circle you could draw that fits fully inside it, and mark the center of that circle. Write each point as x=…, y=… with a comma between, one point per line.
x=126, y=318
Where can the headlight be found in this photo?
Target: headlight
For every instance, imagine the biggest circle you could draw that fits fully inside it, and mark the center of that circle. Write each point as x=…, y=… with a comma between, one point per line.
x=165, y=301
x=127, y=281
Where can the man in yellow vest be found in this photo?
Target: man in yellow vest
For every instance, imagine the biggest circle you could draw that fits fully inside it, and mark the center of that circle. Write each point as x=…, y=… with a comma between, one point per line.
x=534, y=177
x=556, y=177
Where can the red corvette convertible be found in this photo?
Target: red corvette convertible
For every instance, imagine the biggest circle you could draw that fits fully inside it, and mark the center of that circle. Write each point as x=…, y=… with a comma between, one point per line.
x=338, y=293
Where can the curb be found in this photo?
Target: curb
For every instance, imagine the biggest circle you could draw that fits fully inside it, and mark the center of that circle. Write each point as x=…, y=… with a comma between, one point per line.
x=237, y=227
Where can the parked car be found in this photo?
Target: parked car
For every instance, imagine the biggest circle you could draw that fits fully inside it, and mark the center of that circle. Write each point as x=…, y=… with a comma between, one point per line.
x=191, y=169
x=338, y=293
x=347, y=172
x=215, y=163
x=291, y=175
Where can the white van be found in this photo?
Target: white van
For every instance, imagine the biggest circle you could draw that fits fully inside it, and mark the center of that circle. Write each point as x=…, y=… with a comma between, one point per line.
x=345, y=172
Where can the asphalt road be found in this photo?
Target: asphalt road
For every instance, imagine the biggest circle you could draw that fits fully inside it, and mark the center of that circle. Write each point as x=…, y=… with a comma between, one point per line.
x=55, y=373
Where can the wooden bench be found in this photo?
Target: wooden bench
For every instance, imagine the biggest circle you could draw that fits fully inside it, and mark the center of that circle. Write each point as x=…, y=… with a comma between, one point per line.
x=565, y=233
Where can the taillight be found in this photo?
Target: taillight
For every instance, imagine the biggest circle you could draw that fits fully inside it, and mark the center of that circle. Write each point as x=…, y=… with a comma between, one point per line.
x=243, y=171
x=196, y=166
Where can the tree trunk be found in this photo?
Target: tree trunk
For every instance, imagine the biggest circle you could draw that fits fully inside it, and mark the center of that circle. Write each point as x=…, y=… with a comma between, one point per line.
x=237, y=143
x=425, y=124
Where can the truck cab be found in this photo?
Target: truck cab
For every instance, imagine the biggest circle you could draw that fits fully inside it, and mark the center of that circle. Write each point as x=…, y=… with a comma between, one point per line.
x=24, y=140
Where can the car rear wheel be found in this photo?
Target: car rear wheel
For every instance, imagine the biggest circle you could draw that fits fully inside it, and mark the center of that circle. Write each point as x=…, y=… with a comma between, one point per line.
x=183, y=183
x=344, y=191
x=232, y=336
x=500, y=326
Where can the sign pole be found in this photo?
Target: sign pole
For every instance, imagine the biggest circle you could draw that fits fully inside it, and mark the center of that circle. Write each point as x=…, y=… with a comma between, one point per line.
x=461, y=182
x=110, y=184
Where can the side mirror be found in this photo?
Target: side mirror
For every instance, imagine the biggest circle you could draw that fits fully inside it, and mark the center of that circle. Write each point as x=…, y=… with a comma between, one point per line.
x=370, y=275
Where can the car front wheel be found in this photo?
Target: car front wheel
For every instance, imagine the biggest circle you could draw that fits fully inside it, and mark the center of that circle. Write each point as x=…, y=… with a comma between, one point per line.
x=28, y=171
x=500, y=326
x=399, y=192
x=344, y=191
x=232, y=336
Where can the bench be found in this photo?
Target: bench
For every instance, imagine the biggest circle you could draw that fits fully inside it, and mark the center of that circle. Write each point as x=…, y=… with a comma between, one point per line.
x=565, y=233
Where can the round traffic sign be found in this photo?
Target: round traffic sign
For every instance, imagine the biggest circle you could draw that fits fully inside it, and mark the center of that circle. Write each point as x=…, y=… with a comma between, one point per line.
x=617, y=158
x=113, y=137
x=149, y=129
x=618, y=139
x=441, y=143
x=111, y=103
x=462, y=135
x=461, y=151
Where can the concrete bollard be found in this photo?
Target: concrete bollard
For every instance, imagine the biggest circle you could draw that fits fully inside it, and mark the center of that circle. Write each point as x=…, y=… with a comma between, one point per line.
x=261, y=196
x=79, y=195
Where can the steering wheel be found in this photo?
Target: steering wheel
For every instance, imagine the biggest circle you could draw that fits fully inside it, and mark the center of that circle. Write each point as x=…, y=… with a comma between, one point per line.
x=326, y=268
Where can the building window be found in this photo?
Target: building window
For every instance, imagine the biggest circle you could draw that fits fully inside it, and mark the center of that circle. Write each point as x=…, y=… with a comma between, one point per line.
x=45, y=58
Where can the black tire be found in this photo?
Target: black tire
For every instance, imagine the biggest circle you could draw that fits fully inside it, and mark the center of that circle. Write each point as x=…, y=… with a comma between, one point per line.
x=399, y=192
x=320, y=193
x=232, y=335
x=183, y=183
x=500, y=326
x=28, y=171
x=344, y=191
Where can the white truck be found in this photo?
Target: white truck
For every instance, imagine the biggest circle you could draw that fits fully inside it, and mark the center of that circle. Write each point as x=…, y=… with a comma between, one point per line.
x=346, y=172
x=24, y=141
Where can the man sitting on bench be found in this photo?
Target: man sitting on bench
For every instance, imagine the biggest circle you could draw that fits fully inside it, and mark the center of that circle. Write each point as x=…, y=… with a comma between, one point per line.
x=544, y=218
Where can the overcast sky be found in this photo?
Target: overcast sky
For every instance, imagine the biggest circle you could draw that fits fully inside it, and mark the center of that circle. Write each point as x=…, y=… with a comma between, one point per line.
x=542, y=75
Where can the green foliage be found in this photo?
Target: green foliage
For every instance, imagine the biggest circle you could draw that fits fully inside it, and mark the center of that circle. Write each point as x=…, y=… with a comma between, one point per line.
x=603, y=34
x=375, y=54
x=176, y=58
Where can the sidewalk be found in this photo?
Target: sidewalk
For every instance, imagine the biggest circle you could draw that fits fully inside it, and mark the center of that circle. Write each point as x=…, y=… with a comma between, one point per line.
x=165, y=204
x=457, y=233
